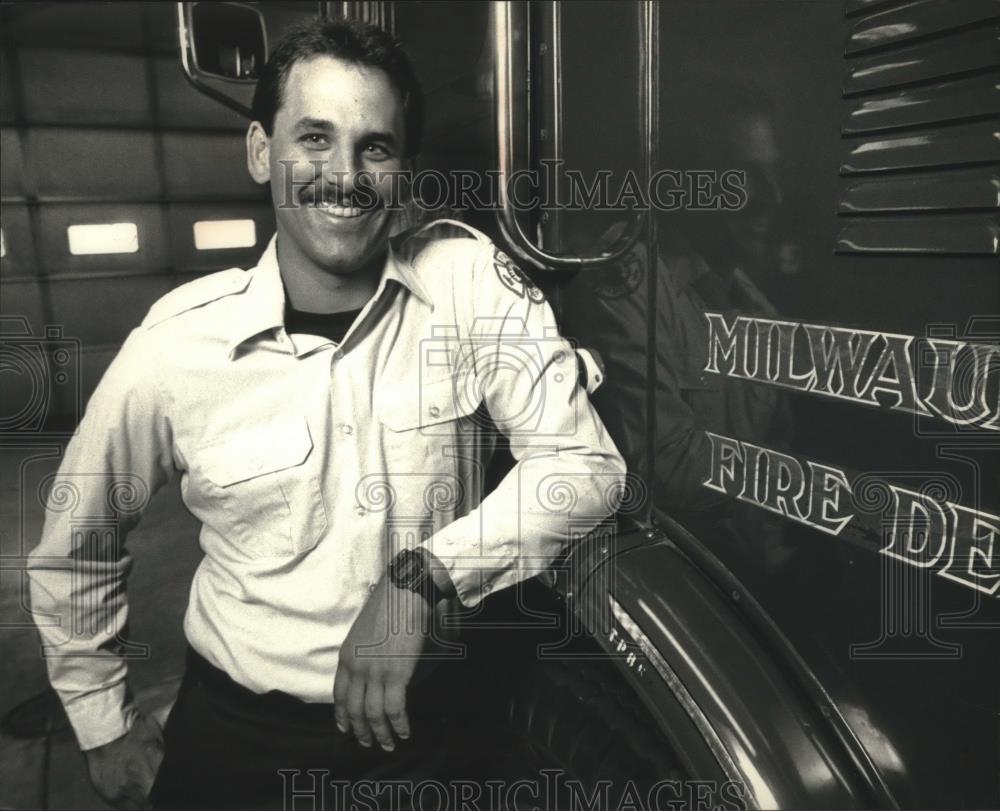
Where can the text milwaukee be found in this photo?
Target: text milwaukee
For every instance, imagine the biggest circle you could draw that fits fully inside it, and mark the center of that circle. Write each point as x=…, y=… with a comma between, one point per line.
x=959, y=381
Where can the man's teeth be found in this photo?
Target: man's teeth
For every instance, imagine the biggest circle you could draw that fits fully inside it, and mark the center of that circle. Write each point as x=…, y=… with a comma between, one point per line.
x=338, y=211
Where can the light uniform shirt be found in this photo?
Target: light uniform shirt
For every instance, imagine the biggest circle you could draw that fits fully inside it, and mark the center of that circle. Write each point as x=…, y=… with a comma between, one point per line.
x=310, y=464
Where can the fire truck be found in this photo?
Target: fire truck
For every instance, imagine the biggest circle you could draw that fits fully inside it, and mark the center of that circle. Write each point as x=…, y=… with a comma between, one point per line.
x=770, y=229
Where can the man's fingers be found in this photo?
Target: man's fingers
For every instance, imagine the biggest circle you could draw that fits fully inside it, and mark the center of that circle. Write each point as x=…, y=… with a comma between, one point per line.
x=395, y=709
x=138, y=777
x=151, y=765
x=154, y=732
x=375, y=713
x=145, y=773
x=356, y=712
x=341, y=683
x=154, y=747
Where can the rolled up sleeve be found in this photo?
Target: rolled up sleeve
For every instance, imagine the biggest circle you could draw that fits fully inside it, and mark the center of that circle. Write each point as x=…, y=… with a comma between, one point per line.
x=119, y=456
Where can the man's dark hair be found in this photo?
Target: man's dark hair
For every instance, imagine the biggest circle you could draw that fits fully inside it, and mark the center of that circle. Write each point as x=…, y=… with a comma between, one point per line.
x=351, y=41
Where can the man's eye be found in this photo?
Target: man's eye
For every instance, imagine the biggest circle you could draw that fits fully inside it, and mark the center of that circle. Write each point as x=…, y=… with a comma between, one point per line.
x=314, y=139
x=376, y=151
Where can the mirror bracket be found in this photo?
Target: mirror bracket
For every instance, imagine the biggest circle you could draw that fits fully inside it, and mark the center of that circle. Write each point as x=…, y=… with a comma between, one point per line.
x=236, y=60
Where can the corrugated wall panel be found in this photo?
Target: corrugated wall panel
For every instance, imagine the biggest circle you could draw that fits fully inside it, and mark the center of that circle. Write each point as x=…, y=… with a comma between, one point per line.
x=960, y=236
x=78, y=163
x=917, y=20
x=924, y=62
x=179, y=105
x=930, y=147
x=207, y=166
x=11, y=166
x=938, y=147
x=112, y=89
x=99, y=126
x=939, y=191
x=153, y=254
x=22, y=298
x=105, y=309
x=18, y=247
x=183, y=216
x=937, y=104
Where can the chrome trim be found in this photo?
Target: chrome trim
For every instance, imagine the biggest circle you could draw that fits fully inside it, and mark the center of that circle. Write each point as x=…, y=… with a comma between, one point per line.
x=506, y=122
x=684, y=698
x=551, y=231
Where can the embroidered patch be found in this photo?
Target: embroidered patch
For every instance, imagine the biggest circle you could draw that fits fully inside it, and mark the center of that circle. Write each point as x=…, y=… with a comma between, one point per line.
x=513, y=279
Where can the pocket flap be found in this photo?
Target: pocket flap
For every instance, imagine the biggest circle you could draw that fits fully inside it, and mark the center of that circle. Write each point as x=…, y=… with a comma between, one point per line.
x=403, y=408
x=256, y=451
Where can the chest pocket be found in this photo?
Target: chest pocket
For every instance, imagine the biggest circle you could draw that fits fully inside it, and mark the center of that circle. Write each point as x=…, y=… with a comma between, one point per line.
x=431, y=440
x=266, y=481
x=424, y=416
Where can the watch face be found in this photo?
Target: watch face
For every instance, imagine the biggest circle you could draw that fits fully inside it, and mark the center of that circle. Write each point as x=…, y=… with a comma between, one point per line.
x=407, y=569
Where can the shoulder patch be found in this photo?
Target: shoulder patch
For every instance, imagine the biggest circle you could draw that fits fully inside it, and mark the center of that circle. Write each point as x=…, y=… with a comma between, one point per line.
x=513, y=279
x=195, y=294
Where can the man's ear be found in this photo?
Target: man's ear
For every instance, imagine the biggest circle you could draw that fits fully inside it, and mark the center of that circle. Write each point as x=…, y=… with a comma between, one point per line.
x=258, y=153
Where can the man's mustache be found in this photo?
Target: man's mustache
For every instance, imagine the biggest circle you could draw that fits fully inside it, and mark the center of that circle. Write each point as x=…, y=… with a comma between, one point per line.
x=365, y=198
x=366, y=189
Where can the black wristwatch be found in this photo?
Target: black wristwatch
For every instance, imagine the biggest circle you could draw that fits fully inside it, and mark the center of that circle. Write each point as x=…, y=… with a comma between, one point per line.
x=411, y=570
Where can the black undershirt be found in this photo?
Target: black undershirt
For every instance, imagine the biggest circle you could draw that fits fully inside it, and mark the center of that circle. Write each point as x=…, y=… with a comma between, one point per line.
x=332, y=326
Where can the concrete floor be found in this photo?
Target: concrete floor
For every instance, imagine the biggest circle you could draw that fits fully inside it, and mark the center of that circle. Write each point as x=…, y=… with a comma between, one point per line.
x=48, y=771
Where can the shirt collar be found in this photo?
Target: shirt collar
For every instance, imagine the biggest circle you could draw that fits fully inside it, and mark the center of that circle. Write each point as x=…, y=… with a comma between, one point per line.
x=400, y=269
x=265, y=295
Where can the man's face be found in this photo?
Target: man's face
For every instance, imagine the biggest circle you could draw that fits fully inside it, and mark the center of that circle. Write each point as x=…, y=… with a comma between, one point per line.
x=336, y=119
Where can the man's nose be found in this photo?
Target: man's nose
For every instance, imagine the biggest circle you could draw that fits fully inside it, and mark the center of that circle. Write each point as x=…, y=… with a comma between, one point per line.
x=341, y=170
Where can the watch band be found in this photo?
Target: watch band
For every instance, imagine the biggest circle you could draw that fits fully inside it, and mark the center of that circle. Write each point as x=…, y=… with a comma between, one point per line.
x=410, y=570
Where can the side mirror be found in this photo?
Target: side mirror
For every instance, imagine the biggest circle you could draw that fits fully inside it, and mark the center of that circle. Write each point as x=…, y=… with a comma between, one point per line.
x=223, y=48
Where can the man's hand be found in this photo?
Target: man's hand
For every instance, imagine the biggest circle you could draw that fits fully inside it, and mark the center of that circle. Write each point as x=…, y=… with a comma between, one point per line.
x=376, y=663
x=123, y=771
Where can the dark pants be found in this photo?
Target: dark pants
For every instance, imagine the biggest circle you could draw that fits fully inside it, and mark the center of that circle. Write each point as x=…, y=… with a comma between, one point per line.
x=225, y=747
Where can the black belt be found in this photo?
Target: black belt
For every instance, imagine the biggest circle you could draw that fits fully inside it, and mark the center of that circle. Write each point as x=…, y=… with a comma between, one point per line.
x=273, y=701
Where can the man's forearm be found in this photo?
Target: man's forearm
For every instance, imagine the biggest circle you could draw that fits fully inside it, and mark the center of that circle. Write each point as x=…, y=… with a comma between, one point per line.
x=118, y=458
x=78, y=646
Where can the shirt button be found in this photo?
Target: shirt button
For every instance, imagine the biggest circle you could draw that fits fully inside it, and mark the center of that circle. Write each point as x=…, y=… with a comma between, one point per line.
x=338, y=355
x=360, y=510
x=347, y=429
x=434, y=411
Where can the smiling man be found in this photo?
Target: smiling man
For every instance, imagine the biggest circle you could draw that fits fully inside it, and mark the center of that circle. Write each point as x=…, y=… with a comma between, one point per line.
x=322, y=410
x=321, y=124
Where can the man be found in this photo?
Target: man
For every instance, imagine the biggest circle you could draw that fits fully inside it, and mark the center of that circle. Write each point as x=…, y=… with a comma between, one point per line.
x=322, y=411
